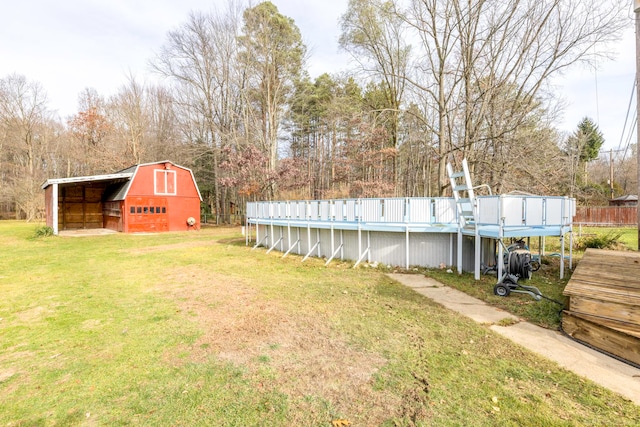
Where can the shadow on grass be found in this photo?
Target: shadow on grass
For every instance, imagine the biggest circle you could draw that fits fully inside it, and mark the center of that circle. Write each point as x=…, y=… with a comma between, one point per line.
x=233, y=241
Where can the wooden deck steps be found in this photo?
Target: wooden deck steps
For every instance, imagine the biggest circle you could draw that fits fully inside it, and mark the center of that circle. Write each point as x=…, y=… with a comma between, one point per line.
x=604, y=303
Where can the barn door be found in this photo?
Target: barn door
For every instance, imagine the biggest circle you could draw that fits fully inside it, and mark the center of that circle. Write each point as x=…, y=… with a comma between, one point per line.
x=147, y=214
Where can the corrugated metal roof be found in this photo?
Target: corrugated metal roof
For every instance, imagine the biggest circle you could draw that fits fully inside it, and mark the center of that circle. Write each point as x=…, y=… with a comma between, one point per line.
x=130, y=169
x=93, y=178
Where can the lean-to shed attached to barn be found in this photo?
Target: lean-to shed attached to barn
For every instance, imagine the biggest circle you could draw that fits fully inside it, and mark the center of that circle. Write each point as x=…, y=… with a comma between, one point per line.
x=160, y=196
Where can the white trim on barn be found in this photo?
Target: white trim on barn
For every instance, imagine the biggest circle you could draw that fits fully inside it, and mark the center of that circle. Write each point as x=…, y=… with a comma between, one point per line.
x=164, y=180
x=93, y=178
x=54, y=202
x=136, y=167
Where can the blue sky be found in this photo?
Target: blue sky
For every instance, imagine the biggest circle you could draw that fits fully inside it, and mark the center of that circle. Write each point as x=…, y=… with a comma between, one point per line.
x=70, y=45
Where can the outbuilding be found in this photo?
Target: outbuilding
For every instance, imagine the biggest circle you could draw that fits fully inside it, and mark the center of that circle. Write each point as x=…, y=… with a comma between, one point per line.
x=626, y=200
x=151, y=197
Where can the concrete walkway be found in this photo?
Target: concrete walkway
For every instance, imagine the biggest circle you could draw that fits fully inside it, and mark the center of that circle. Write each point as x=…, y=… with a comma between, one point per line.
x=606, y=371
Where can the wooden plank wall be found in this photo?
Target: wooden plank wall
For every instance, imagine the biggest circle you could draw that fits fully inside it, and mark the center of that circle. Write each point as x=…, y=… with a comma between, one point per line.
x=610, y=340
x=606, y=215
x=80, y=207
x=112, y=215
x=604, y=302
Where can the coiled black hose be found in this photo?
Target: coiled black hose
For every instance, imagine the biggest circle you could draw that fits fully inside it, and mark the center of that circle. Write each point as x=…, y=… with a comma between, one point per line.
x=519, y=263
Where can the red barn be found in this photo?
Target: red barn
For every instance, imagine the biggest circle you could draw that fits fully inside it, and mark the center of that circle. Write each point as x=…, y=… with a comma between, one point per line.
x=160, y=196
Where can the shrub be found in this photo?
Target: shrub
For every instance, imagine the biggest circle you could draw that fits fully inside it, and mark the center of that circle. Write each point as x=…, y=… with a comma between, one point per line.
x=600, y=241
x=43, y=231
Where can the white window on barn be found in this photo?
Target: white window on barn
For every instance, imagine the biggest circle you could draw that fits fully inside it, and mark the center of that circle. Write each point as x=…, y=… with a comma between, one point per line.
x=164, y=182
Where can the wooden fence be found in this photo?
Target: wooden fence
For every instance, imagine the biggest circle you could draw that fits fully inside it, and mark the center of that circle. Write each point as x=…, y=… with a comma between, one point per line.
x=606, y=215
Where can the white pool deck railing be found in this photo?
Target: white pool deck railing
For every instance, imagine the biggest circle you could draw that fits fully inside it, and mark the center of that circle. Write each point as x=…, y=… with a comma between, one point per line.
x=495, y=217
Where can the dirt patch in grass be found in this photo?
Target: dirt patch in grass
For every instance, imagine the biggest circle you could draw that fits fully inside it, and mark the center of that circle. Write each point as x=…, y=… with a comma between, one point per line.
x=10, y=381
x=12, y=375
x=33, y=314
x=308, y=360
x=169, y=247
x=5, y=374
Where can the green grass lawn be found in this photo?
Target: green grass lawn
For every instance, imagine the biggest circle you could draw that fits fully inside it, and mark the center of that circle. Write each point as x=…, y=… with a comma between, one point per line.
x=545, y=312
x=628, y=235
x=197, y=329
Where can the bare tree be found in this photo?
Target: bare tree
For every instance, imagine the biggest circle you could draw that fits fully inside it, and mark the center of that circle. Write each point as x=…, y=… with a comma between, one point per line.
x=89, y=129
x=24, y=119
x=164, y=140
x=200, y=58
x=131, y=121
x=624, y=173
x=436, y=76
x=475, y=53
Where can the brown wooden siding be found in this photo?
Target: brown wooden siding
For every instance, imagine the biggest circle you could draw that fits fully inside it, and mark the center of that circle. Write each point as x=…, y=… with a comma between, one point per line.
x=606, y=215
x=112, y=214
x=80, y=207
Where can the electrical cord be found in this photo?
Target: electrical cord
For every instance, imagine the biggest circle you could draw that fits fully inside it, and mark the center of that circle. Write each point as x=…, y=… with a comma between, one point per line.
x=519, y=264
x=563, y=332
x=599, y=350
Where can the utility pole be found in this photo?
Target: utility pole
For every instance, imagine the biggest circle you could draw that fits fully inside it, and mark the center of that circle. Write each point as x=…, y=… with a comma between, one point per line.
x=636, y=10
x=611, y=173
